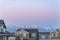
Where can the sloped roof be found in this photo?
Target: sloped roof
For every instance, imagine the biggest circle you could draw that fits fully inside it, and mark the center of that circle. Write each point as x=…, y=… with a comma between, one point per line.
x=44, y=32
x=2, y=22
x=5, y=32
x=30, y=30
x=22, y=31
x=58, y=30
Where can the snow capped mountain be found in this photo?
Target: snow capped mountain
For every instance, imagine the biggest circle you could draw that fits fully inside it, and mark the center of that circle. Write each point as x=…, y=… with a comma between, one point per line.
x=40, y=28
x=45, y=29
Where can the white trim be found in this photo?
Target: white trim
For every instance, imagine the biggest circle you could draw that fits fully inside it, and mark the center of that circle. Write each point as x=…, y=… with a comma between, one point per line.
x=33, y=34
x=5, y=38
x=54, y=34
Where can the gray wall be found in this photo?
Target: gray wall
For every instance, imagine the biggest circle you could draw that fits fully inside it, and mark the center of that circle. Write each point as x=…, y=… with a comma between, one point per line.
x=47, y=37
x=55, y=38
x=44, y=39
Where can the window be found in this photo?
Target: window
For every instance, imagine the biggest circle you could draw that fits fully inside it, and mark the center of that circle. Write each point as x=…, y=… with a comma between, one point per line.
x=24, y=35
x=54, y=34
x=33, y=34
x=43, y=37
x=40, y=37
x=11, y=38
x=1, y=28
x=47, y=36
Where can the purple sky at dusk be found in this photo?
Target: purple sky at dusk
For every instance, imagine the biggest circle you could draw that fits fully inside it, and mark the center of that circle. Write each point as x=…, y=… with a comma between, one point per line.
x=40, y=12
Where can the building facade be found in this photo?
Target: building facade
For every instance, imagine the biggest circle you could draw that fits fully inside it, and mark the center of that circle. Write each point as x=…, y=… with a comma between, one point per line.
x=27, y=34
x=32, y=34
x=55, y=35
x=2, y=30
x=44, y=35
x=4, y=35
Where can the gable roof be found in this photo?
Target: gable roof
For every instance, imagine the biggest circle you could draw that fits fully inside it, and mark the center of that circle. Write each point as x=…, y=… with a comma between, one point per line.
x=58, y=30
x=22, y=31
x=2, y=22
x=30, y=30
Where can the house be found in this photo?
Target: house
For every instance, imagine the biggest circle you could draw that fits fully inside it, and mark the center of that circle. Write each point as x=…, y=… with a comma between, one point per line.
x=2, y=30
x=55, y=35
x=44, y=35
x=4, y=34
x=27, y=34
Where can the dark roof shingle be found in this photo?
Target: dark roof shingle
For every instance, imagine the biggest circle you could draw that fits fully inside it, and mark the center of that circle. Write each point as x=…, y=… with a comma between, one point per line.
x=2, y=22
x=30, y=30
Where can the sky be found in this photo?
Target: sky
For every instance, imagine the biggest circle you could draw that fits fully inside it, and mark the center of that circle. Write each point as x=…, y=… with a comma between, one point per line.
x=25, y=12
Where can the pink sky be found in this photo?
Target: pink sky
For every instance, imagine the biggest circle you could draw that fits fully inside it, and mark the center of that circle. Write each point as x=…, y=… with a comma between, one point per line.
x=27, y=13
x=31, y=12
x=30, y=15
